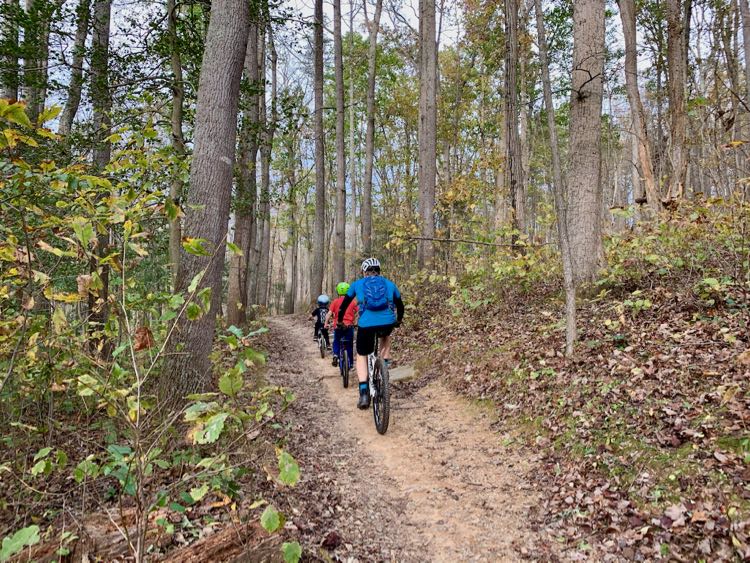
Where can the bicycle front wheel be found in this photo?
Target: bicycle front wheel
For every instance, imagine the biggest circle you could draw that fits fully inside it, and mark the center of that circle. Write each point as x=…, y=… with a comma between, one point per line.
x=381, y=401
x=344, y=368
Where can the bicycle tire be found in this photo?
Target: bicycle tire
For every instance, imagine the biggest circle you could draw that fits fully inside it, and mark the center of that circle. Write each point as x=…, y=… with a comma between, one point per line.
x=322, y=346
x=344, y=359
x=381, y=402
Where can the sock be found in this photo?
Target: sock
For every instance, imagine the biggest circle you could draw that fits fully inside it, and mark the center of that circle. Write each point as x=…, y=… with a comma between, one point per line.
x=363, y=388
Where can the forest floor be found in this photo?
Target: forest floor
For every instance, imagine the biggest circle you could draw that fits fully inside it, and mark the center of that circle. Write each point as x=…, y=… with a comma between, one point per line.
x=439, y=486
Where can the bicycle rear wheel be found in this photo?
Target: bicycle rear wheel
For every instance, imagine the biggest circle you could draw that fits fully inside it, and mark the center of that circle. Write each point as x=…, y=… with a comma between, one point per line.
x=322, y=346
x=381, y=400
x=344, y=364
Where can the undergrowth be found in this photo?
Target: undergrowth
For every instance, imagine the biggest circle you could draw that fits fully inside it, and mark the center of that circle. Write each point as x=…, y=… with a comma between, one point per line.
x=644, y=430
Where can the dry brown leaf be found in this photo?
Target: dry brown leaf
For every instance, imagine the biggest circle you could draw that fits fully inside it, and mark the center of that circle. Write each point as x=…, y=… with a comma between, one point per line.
x=143, y=339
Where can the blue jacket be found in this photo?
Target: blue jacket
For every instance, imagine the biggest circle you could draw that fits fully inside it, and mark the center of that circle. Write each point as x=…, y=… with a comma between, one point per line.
x=385, y=317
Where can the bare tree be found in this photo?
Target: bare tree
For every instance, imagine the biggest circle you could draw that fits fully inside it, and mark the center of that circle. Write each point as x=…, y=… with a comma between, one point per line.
x=73, y=100
x=745, y=11
x=319, y=246
x=372, y=54
x=39, y=14
x=558, y=187
x=102, y=105
x=584, y=206
x=9, y=73
x=352, y=161
x=427, y=130
x=245, y=201
x=178, y=139
x=339, y=255
x=514, y=162
x=188, y=367
x=644, y=163
x=269, y=128
x=676, y=64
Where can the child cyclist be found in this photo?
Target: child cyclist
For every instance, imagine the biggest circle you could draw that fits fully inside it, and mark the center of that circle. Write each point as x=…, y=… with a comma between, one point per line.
x=347, y=332
x=380, y=311
x=319, y=315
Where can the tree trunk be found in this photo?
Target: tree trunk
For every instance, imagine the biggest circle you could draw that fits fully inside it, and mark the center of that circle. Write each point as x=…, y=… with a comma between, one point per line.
x=352, y=164
x=244, y=226
x=584, y=206
x=558, y=189
x=339, y=257
x=9, y=78
x=293, y=228
x=514, y=163
x=644, y=163
x=427, y=130
x=188, y=366
x=678, y=117
x=178, y=139
x=264, y=270
x=319, y=248
x=745, y=11
x=76, y=73
x=39, y=15
x=102, y=104
x=366, y=212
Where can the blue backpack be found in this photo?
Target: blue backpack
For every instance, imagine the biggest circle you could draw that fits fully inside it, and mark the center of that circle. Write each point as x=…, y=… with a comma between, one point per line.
x=375, y=293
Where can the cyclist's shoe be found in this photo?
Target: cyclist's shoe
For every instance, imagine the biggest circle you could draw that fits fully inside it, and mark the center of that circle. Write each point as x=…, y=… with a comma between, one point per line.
x=364, y=400
x=335, y=361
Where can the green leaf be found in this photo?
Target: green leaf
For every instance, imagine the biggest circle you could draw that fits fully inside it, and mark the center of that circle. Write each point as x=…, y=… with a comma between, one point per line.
x=292, y=552
x=15, y=114
x=22, y=538
x=288, y=469
x=231, y=383
x=212, y=429
x=41, y=454
x=194, y=312
x=171, y=209
x=236, y=331
x=176, y=301
x=87, y=468
x=40, y=466
x=195, y=281
x=198, y=493
x=204, y=295
x=177, y=507
x=83, y=230
x=194, y=412
x=49, y=114
x=234, y=248
x=195, y=246
x=270, y=519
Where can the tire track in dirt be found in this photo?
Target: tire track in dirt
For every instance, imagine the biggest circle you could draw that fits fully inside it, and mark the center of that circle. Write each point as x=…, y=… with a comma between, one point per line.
x=439, y=485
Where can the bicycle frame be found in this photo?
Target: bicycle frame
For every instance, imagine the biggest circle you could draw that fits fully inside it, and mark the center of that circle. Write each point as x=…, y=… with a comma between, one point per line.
x=371, y=359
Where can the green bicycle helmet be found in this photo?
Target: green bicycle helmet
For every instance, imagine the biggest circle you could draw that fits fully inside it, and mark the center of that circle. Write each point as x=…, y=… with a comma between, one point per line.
x=342, y=288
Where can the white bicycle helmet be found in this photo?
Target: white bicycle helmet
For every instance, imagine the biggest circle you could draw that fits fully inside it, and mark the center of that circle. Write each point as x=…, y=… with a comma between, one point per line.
x=370, y=263
x=323, y=299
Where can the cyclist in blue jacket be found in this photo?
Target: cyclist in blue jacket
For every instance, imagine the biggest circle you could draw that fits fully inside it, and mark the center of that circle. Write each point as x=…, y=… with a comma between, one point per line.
x=380, y=311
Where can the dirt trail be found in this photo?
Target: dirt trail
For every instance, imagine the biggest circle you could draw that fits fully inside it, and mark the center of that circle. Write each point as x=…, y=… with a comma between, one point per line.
x=439, y=486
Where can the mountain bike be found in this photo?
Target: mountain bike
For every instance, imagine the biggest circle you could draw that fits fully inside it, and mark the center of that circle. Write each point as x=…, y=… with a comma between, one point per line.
x=344, y=361
x=322, y=344
x=380, y=393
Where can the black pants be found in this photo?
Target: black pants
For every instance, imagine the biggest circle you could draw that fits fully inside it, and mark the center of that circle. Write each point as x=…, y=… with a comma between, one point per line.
x=318, y=328
x=367, y=335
